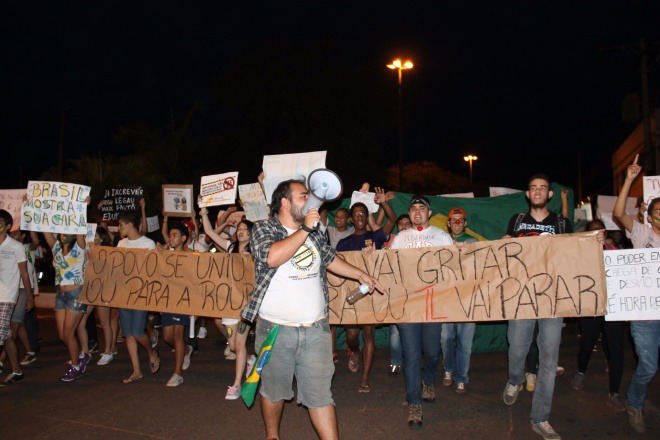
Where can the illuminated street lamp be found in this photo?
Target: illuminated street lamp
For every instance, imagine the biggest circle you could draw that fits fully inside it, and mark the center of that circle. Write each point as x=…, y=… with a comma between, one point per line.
x=400, y=66
x=470, y=158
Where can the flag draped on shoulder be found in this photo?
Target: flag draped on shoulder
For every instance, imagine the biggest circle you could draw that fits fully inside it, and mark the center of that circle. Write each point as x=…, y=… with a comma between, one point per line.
x=249, y=388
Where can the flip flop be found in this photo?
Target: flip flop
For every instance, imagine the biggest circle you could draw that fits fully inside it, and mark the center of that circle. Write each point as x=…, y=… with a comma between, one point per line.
x=131, y=380
x=155, y=365
x=352, y=366
x=364, y=389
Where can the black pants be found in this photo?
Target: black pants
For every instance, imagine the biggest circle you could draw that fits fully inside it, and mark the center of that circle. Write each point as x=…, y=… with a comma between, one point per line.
x=590, y=328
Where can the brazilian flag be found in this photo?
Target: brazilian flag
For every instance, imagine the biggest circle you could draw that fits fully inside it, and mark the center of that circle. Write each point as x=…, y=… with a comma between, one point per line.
x=249, y=388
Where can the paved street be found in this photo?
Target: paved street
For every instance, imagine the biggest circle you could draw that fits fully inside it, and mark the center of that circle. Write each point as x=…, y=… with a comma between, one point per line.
x=99, y=406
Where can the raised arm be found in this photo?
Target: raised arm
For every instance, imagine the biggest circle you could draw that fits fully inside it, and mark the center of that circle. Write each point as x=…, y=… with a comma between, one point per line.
x=210, y=231
x=564, y=202
x=143, y=221
x=620, y=206
x=381, y=198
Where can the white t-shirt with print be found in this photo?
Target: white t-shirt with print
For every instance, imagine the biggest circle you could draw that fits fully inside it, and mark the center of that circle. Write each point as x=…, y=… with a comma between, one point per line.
x=11, y=253
x=429, y=237
x=140, y=243
x=642, y=236
x=295, y=294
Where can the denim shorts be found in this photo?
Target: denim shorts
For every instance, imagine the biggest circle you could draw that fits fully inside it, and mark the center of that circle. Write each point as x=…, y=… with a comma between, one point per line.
x=170, y=319
x=303, y=352
x=133, y=322
x=19, y=309
x=70, y=300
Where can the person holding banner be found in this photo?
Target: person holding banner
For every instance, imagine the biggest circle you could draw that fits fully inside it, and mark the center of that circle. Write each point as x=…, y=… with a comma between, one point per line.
x=291, y=294
x=69, y=257
x=646, y=334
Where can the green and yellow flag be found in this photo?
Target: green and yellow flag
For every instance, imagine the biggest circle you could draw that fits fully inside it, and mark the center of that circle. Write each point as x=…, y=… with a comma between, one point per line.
x=249, y=388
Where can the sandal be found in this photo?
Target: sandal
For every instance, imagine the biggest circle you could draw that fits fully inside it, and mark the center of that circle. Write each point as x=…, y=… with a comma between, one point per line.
x=353, y=366
x=155, y=365
x=131, y=380
x=364, y=389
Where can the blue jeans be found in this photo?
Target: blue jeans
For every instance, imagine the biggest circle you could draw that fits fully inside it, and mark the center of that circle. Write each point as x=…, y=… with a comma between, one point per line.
x=646, y=335
x=520, y=335
x=396, y=352
x=456, y=348
x=416, y=339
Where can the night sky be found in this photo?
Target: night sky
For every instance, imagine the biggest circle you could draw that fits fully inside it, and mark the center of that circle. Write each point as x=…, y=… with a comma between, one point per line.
x=523, y=85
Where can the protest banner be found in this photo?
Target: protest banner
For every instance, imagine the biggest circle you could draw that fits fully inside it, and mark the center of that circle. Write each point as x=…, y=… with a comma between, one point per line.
x=178, y=200
x=651, y=185
x=91, y=232
x=367, y=198
x=605, y=208
x=495, y=191
x=254, y=202
x=11, y=200
x=280, y=167
x=633, y=284
x=55, y=207
x=521, y=278
x=153, y=224
x=218, y=189
x=118, y=200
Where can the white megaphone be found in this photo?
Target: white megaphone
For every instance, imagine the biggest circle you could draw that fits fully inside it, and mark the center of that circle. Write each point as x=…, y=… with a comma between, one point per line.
x=324, y=186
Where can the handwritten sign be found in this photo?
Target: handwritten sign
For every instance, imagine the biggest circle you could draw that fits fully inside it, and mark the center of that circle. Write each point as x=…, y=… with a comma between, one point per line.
x=178, y=200
x=520, y=278
x=633, y=284
x=651, y=185
x=367, y=198
x=280, y=167
x=11, y=200
x=55, y=207
x=254, y=202
x=118, y=200
x=219, y=189
x=91, y=232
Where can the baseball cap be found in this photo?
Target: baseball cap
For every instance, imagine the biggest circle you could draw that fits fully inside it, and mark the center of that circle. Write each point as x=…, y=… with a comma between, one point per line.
x=420, y=199
x=455, y=211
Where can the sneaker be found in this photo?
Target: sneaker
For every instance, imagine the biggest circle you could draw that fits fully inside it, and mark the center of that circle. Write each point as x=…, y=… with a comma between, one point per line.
x=233, y=393
x=428, y=393
x=460, y=388
x=106, y=358
x=202, y=332
x=394, y=370
x=510, y=393
x=114, y=352
x=83, y=361
x=544, y=429
x=12, y=379
x=530, y=380
x=72, y=374
x=560, y=370
x=414, y=415
x=174, y=381
x=615, y=402
x=93, y=346
x=28, y=358
x=636, y=419
x=577, y=383
x=186, y=358
x=250, y=363
x=448, y=380
x=154, y=338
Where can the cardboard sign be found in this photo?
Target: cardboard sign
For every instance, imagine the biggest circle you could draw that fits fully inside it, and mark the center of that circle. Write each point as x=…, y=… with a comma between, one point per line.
x=55, y=207
x=280, y=167
x=118, y=200
x=520, y=278
x=254, y=202
x=11, y=200
x=651, y=185
x=633, y=284
x=219, y=189
x=178, y=200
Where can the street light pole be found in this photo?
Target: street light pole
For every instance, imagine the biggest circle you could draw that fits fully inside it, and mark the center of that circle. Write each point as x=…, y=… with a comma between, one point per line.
x=470, y=158
x=400, y=67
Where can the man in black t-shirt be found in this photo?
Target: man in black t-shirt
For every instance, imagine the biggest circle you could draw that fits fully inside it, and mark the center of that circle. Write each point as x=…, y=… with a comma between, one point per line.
x=538, y=221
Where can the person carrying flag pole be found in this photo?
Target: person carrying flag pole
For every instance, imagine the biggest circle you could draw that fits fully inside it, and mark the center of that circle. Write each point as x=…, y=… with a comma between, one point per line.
x=291, y=300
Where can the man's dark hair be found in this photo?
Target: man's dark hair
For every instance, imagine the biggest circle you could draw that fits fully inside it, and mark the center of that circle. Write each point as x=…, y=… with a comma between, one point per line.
x=183, y=230
x=129, y=217
x=595, y=225
x=106, y=240
x=282, y=191
x=540, y=176
x=359, y=205
x=401, y=217
x=651, y=205
x=6, y=216
x=343, y=209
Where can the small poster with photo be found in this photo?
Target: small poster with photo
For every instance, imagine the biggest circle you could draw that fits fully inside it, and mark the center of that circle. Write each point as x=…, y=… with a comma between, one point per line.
x=178, y=200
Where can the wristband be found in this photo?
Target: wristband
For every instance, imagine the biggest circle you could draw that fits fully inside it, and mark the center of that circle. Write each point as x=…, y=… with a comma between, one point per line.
x=306, y=229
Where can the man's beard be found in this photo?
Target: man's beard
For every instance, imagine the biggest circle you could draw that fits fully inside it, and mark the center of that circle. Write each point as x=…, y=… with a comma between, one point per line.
x=297, y=214
x=540, y=205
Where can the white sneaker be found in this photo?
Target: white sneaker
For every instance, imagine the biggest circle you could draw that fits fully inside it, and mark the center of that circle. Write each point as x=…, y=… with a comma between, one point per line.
x=106, y=358
x=233, y=393
x=202, y=332
x=231, y=357
x=545, y=430
x=250, y=363
x=186, y=358
x=175, y=380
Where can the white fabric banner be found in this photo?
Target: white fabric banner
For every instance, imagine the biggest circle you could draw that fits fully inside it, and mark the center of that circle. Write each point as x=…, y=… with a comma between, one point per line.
x=280, y=167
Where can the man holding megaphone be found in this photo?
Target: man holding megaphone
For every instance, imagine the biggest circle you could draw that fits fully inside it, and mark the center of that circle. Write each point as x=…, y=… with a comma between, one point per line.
x=291, y=292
